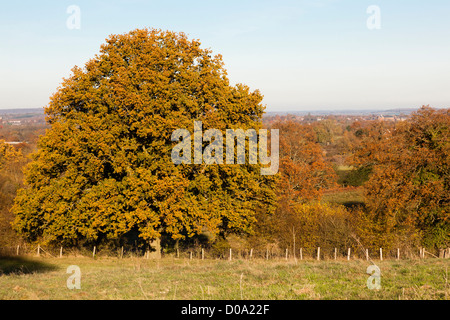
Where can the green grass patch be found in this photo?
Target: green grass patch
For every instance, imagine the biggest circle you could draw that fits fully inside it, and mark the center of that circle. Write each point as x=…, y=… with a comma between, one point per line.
x=182, y=279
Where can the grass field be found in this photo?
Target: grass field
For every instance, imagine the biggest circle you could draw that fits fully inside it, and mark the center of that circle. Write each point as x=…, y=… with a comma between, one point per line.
x=347, y=198
x=181, y=279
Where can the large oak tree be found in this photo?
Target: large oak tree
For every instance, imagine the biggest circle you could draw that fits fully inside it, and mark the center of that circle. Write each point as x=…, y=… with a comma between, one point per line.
x=408, y=193
x=104, y=167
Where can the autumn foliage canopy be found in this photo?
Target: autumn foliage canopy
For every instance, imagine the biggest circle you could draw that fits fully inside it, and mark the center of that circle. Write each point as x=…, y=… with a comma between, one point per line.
x=408, y=193
x=104, y=167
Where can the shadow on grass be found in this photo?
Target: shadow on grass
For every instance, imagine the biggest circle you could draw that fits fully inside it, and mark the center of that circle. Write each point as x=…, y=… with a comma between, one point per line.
x=23, y=265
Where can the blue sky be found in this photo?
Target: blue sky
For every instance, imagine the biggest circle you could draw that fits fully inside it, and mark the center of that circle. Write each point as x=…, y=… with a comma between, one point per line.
x=302, y=55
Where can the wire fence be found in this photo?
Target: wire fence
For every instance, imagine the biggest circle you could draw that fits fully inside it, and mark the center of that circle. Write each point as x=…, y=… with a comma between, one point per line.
x=269, y=253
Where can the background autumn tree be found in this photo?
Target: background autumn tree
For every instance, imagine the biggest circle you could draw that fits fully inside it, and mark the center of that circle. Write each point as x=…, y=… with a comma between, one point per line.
x=408, y=193
x=103, y=170
x=11, y=162
x=303, y=169
x=304, y=175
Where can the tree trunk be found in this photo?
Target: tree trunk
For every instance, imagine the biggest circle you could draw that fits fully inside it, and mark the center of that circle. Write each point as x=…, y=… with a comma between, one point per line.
x=156, y=252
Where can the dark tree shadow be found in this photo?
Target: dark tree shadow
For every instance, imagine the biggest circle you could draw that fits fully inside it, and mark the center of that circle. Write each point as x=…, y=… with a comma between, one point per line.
x=353, y=205
x=23, y=265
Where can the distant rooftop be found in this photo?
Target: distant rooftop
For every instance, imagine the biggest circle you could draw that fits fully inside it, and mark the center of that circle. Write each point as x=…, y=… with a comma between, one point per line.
x=14, y=142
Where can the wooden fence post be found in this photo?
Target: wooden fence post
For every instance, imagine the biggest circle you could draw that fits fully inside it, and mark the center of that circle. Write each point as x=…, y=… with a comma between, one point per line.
x=367, y=254
x=335, y=253
x=251, y=253
x=18, y=247
x=93, y=252
x=190, y=255
x=60, y=252
x=318, y=253
x=286, y=254
x=301, y=253
x=121, y=253
x=203, y=254
x=381, y=254
x=293, y=248
x=398, y=253
x=230, y=255
x=348, y=254
x=267, y=254
x=39, y=250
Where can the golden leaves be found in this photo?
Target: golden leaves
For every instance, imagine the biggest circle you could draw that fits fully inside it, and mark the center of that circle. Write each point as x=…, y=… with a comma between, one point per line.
x=104, y=167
